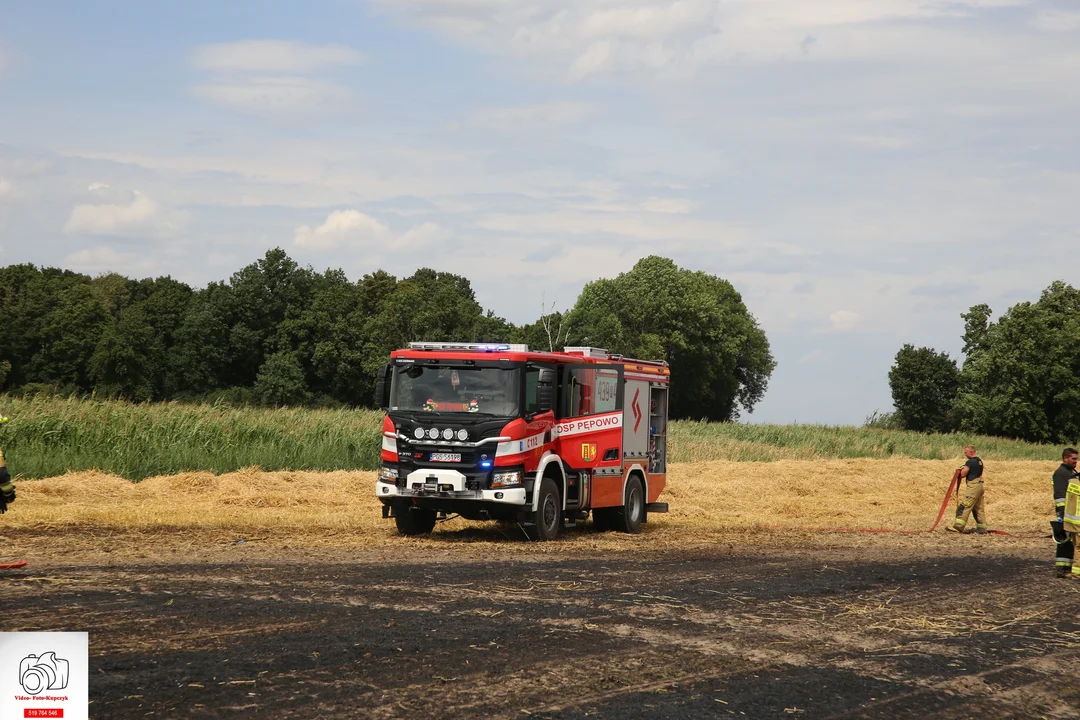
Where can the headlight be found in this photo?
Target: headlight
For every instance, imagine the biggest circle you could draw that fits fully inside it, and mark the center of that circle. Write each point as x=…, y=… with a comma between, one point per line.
x=462, y=435
x=506, y=479
x=433, y=433
x=447, y=434
x=418, y=433
x=388, y=474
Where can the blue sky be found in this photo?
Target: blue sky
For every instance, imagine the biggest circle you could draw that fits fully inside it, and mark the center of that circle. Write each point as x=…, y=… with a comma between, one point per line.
x=863, y=171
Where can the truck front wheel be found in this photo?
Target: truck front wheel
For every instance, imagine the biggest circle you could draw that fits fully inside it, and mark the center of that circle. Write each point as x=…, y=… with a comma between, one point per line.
x=414, y=521
x=547, y=520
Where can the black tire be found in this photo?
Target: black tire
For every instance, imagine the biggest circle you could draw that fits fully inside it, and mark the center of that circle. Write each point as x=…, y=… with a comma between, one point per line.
x=630, y=516
x=547, y=520
x=414, y=521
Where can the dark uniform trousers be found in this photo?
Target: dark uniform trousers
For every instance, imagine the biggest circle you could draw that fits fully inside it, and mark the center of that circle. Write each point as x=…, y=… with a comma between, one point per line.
x=1066, y=543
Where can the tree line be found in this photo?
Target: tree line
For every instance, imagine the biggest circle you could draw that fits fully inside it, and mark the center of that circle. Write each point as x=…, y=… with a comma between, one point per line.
x=276, y=333
x=1019, y=378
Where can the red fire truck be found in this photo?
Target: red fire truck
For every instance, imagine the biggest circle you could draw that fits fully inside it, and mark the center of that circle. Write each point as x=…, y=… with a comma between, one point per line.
x=500, y=432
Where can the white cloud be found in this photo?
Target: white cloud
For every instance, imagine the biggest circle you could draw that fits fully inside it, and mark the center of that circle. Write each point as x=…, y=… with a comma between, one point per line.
x=354, y=229
x=342, y=228
x=332, y=172
x=141, y=217
x=273, y=94
x=844, y=320
x=585, y=38
x=274, y=56
x=272, y=75
x=422, y=236
x=643, y=226
x=225, y=260
x=670, y=206
x=105, y=259
x=814, y=356
x=883, y=142
x=1057, y=21
x=525, y=118
x=7, y=188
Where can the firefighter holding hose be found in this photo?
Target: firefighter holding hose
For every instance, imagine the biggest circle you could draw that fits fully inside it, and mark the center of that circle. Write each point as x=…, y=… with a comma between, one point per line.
x=1067, y=524
x=971, y=474
x=7, y=488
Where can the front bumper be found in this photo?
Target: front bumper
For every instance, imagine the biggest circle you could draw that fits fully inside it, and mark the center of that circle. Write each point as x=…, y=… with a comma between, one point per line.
x=440, y=483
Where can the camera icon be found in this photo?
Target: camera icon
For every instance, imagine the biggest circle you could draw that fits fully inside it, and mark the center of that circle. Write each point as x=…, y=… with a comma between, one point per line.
x=38, y=673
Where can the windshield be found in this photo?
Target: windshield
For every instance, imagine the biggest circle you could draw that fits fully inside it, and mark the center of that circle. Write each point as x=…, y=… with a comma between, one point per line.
x=434, y=387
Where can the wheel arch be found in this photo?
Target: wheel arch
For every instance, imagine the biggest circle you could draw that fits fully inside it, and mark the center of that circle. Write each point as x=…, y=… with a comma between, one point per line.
x=636, y=469
x=543, y=469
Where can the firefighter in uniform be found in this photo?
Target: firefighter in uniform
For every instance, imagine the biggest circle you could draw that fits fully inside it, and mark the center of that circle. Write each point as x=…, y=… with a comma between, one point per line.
x=973, y=503
x=7, y=488
x=1067, y=523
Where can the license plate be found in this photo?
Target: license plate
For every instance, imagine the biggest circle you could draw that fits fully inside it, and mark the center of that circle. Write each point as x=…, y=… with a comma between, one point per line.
x=445, y=457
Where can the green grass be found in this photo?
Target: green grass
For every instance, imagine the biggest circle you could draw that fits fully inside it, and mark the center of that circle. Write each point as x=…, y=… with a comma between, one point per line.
x=50, y=436
x=698, y=441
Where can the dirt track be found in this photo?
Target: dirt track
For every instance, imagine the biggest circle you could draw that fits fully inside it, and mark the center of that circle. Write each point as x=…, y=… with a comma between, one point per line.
x=764, y=626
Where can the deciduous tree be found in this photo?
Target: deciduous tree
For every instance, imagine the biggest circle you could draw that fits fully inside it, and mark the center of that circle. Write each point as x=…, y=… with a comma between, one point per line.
x=719, y=356
x=1021, y=377
x=924, y=384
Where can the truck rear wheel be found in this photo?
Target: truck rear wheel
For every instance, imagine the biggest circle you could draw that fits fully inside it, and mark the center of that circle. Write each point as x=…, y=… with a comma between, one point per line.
x=414, y=521
x=630, y=516
x=547, y=520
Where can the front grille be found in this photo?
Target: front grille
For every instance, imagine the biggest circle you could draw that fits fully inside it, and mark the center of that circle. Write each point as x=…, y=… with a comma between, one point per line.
x=469, y=466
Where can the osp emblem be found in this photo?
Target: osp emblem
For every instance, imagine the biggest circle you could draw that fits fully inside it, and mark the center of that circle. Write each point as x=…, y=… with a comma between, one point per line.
x=588, y=452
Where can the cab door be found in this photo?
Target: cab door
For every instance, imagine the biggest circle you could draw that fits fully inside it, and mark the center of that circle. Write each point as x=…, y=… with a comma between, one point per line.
x=589, y=428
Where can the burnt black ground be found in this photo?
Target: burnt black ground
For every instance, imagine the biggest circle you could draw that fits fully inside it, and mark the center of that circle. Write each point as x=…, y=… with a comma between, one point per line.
x=703, y=632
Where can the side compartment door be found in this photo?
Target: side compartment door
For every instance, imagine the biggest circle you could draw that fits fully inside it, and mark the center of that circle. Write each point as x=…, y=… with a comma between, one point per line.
x=636, y=429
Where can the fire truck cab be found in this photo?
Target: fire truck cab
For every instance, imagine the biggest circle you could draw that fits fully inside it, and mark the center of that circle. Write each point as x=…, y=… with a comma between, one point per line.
x=500, y=432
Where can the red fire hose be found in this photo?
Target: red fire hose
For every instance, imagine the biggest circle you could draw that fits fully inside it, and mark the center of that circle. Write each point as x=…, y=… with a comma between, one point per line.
x=954, y=484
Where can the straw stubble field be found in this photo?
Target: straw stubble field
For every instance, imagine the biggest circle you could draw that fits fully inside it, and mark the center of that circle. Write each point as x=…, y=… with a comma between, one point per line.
x=707, y=499
x=285, y=593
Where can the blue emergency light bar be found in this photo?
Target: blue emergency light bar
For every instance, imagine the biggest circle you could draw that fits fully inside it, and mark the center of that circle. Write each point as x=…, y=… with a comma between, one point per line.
x=468, y=347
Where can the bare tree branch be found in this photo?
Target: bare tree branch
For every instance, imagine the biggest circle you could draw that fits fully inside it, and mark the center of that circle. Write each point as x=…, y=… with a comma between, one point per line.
x=562, y=331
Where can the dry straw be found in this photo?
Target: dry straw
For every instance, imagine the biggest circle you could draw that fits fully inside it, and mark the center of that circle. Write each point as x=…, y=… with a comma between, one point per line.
x=707, y=499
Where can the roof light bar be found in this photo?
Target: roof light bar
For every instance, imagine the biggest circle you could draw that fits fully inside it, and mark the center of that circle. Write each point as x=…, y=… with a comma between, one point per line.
x=469, y=347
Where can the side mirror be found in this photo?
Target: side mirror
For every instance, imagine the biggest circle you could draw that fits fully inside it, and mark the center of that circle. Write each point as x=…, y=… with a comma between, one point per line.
x=382, y=387
x=545, y=390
